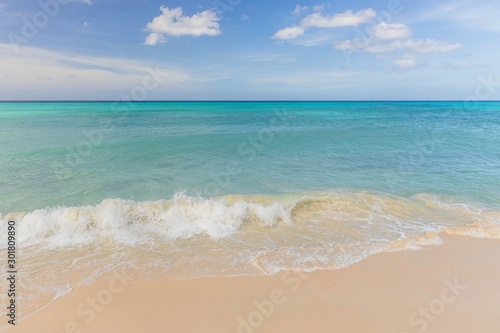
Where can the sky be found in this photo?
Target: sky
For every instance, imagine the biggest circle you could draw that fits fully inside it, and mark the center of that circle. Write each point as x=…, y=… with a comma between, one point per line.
x=249, y=50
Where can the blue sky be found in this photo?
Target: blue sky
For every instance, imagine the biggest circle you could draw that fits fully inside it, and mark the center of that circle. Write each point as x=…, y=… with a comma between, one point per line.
x=249, y=50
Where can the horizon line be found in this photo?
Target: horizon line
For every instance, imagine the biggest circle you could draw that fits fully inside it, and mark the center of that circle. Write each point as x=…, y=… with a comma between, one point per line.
x=240, y=101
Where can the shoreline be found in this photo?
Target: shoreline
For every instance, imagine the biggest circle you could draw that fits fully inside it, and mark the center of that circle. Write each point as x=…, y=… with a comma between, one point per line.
x=451, y=287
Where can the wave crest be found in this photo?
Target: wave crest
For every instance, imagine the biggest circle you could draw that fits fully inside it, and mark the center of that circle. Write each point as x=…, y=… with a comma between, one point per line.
x=335, y=216
x=131, y=222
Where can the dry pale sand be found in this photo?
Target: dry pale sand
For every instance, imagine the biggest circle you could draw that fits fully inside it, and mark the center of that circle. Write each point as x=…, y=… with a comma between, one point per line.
x=454, y=287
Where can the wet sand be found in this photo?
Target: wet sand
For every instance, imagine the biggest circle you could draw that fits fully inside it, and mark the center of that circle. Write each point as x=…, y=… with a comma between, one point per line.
x=454, y=287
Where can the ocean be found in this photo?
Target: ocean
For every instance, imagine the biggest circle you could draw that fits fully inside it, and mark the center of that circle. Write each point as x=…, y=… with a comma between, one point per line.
x=191, y=189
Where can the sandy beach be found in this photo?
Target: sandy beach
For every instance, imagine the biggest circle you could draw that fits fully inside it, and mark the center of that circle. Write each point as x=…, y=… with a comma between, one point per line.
x=448, y=288
x=255, y=166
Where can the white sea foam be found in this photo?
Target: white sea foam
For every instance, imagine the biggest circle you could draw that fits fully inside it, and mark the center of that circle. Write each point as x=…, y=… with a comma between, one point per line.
x=130, y=222
x=344, y=216
x=187, y=237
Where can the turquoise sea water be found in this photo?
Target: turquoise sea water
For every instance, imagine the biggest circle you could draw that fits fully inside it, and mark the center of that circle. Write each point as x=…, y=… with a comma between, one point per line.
x=82, y=153
x=185, y=189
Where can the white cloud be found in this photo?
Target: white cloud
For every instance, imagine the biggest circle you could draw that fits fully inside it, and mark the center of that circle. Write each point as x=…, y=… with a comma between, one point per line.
x=462, y=62
x=318, y=20
x=154, y=38
x=299, y=9
x=390, y=31
x=430, y=46
x=245, y=17
x=172, y=23
x=43, y=74
x=417, y=46
x=289, y=33
x=87, y=2
x=347, y=45
x=346, y=19
x=405, y=63
x=471, y=14
x=374, y=47
x=313, y=39
x=319, y=79
x=381, y=37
